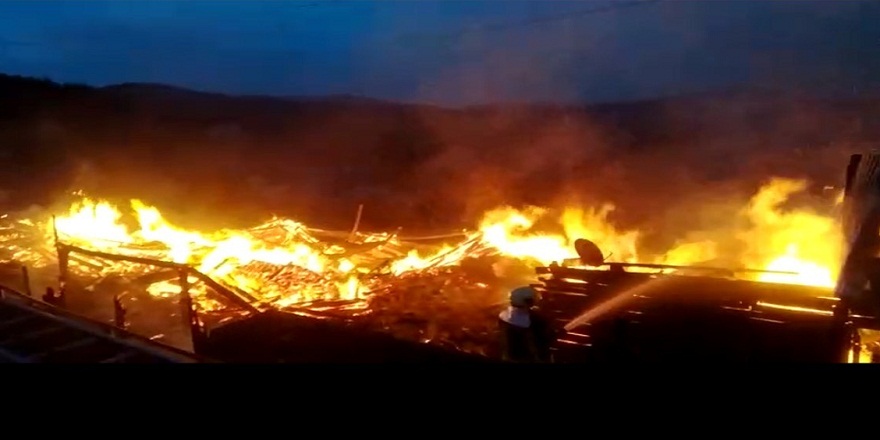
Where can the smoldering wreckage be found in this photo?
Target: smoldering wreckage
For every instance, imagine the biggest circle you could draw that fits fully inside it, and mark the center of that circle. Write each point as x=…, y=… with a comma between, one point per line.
x=286, y=292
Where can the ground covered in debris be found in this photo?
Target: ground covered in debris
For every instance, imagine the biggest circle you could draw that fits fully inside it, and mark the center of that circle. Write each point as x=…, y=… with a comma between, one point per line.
x=451, y=307
x=419, y=289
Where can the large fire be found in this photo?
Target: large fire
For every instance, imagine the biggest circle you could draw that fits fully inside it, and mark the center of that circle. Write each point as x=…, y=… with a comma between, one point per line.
x=283, y=263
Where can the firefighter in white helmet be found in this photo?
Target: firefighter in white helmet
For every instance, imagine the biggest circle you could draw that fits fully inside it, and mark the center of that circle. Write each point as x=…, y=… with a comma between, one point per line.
x=526, y=336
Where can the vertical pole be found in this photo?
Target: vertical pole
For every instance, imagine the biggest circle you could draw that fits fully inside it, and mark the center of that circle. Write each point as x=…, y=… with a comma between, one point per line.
x=357, y=222
x=119, y=312
x=55, y=230
x=189, y=314
x=63, y=254
x=841, y=330
x=26, y=280
x=63, y=258
x=357, y=287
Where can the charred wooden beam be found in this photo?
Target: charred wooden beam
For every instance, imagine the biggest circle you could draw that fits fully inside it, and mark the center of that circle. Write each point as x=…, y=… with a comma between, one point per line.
x=357, y=223
x=26, y=280
x=239, y=298
x=117, y=257
x=63, y=260
x=119, y=312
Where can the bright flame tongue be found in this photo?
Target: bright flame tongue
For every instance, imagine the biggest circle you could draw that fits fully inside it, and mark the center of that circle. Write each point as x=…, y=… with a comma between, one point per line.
x=509, y=231
x=221, y=255
x=798, y=241
x=506, y=229
x=808, y=273
x=90, y=221
x=154, y=228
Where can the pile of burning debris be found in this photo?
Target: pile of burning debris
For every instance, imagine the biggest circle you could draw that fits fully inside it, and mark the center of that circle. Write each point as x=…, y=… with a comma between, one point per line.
x=443, y=289
x=448, y=297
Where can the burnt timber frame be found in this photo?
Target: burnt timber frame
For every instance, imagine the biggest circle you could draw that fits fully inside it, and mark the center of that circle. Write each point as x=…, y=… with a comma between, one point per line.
x=240, y=298
x=197, y=331
x=128, y=343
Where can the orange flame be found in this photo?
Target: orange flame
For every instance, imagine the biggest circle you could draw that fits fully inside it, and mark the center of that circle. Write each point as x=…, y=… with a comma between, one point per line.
x=797, y=240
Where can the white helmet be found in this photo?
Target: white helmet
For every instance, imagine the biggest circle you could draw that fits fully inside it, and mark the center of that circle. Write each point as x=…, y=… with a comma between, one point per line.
x=522, y=296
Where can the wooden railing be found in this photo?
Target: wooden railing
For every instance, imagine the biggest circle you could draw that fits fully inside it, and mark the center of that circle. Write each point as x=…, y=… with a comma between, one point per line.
x=99, y=329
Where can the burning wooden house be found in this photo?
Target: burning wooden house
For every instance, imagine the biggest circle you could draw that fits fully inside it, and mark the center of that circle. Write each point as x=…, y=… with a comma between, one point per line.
x=282, y=292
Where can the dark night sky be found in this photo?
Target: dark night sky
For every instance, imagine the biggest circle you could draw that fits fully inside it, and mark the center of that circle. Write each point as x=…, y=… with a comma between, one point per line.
x=449, y=52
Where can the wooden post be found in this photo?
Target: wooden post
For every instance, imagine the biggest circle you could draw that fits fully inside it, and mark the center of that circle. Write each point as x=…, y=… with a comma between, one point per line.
x=357, y=222
x=55, y=230
x=26, y=279
x=119, y=312
x=189, y=313
x=63, y=255
x=63, y=260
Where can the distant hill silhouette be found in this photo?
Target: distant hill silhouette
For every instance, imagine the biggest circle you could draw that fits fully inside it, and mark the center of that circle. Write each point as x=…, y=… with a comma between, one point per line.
x=317, y=157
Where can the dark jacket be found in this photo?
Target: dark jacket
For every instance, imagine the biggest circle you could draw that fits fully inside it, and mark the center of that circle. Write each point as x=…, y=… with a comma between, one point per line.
x=526, y=335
